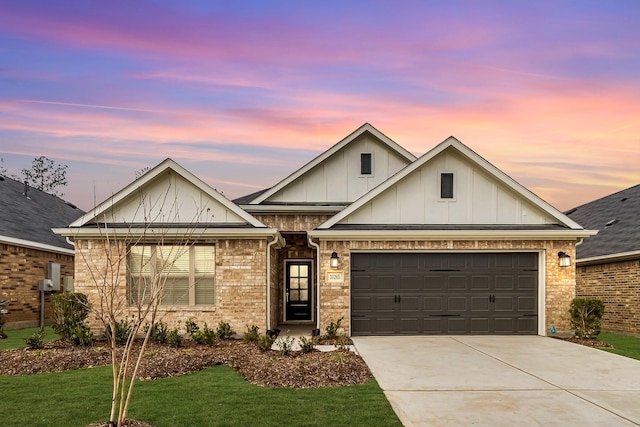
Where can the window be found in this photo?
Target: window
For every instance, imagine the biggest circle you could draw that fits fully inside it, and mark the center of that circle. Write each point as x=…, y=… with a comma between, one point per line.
x=366, y=165
x=185, y=272
x=446, y=186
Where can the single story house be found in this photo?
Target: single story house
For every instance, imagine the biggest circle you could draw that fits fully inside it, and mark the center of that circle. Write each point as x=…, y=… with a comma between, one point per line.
x=27, y=246
x=365, y=232
x=608, y=264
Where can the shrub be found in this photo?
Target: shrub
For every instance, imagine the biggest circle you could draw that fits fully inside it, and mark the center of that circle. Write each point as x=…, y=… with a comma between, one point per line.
x=204, y=336
x=224, y=331
x=191, y=327
x=306, y=345
x=332, y=329
x=81, y=335
x=36, y=340
x=265, y=342
x=69, y=313
x=174, y=338
x=586, y=317
x=123, y=329
x=252, y=334
x=285, y=345
x=158, y=332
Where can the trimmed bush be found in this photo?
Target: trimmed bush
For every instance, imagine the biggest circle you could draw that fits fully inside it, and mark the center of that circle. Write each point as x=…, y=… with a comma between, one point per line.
x=69, y=313
x=123, y=329
x=586, y=317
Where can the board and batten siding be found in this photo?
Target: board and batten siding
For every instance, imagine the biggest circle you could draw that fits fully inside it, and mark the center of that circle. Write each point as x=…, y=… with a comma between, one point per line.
x=171, y=198
x=478, y=198
x=338, y=178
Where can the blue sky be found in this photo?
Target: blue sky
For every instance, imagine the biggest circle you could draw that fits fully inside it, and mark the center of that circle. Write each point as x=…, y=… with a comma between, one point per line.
x=244, y=93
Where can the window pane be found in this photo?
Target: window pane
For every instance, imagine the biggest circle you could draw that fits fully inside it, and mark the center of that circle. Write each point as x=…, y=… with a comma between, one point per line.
x=446, y=186
x=294, y=270
x=304, y=295
x=176, y=291
x=303, y=284
x=294, y=295
x=173, y=260
x=205, y=259
x=365, y=164
x=139, y=291
x=140, y=260
x=204, y=291
x=304, y=270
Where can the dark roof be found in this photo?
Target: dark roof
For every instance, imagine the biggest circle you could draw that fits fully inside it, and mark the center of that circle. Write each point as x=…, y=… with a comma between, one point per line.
x=617, y=216
x=245, y=200
x=32, y=218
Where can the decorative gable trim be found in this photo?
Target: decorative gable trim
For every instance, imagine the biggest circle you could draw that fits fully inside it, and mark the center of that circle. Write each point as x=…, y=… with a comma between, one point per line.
x=473, y=157
x=154, y=174
x=322, y=157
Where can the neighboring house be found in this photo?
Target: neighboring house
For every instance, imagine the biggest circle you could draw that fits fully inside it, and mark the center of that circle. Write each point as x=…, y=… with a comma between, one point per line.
x=27, y=245
x=442, y=244
x=608, y=264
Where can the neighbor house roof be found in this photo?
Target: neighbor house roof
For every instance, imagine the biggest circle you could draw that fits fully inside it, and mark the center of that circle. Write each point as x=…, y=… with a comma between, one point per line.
x=617, y=216
x=27, y=219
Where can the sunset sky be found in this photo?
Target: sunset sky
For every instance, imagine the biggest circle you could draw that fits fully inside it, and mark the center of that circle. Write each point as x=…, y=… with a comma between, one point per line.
x=242, y=93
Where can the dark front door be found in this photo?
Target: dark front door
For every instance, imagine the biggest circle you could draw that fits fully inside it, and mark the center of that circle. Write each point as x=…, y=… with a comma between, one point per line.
x=298, y=290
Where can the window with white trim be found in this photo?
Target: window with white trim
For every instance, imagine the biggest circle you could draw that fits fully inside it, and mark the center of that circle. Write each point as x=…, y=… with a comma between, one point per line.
x=446, y=185
x=366, y=164
x=185, y=274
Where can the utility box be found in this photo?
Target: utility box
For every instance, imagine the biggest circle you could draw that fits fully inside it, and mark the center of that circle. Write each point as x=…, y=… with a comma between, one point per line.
x=68, y=284
x=46, y=285
x=53, y=274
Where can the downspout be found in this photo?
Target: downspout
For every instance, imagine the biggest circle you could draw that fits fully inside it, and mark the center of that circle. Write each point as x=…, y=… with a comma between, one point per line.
x=276, y=239
x=317, y=246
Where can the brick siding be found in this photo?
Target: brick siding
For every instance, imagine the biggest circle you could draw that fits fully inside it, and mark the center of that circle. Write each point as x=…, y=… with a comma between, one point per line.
x=617, y=284
x=20, y=270
x=560, y=281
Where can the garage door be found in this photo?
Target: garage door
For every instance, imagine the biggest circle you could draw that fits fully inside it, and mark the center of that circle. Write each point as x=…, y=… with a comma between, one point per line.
x=437, y=293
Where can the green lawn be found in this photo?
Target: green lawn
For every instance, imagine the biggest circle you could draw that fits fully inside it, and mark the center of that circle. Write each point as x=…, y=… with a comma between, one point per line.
x=625, y=345
x=217, y=396
x=15, y=337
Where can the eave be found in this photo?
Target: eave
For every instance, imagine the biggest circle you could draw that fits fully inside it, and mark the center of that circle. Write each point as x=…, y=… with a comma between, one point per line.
x=35, y=245
x=604, y=259
x=293, y=209
x=155, y=233
x=408, y=235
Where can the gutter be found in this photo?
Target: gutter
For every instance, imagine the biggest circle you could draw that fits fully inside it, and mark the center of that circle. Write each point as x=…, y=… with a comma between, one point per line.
x=603, y=259
x=277, y=238
x=317, y=246
x=35, y=245
x=329, y=234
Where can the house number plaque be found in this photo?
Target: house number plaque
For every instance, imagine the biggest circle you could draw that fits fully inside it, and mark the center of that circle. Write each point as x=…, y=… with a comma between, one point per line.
x=335, y=277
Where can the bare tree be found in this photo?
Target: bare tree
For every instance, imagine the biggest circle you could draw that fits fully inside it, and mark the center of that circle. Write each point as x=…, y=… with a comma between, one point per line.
x=128, y=278
x=45, y=175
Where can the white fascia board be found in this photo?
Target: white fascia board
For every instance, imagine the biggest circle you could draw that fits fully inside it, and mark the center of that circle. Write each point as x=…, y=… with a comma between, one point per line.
x=404, y=235
x=35, y=245
x=603, y=259
x=328, y=153
x=292, y=209
x=197, y=234
x=150, y=176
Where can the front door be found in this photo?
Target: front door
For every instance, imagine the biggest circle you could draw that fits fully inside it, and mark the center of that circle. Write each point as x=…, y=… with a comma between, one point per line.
x=298, y=290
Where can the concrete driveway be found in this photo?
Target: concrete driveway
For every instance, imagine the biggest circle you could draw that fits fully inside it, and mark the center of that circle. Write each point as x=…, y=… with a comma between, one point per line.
x=503, y=381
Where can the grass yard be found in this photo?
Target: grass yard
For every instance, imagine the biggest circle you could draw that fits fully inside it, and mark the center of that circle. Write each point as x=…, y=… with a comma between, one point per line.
x=625, y=345
x=216, y=396
x=15, y=337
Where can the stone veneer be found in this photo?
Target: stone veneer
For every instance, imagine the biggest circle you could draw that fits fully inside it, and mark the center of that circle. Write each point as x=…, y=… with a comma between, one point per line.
x=559, y=281
x=617, y=284
x=240, y=284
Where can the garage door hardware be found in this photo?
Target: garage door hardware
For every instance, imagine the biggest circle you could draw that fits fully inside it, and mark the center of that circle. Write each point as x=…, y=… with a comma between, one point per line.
x=444, y=315
x=444, y=269
x=492, y=298
x=396, y=298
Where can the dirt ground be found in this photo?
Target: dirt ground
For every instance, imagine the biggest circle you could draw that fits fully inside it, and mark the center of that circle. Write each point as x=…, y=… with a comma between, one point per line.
x=267, y=369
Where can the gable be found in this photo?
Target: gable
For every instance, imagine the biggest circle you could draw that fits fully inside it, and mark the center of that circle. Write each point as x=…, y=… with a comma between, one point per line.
x=478, y=198
x=335, y=176
x=483, y=198
x=168, y=194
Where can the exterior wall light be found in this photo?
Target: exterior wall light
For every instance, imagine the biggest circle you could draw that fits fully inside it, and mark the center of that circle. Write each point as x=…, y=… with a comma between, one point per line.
x=565, y=259
x=334, y=260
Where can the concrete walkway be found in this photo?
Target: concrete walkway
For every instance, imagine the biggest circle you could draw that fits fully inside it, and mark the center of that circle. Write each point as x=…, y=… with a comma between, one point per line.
x=503, y=381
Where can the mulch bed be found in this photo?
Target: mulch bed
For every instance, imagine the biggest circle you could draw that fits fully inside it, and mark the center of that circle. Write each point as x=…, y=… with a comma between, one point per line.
x=587, y=342
x=267, y=369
